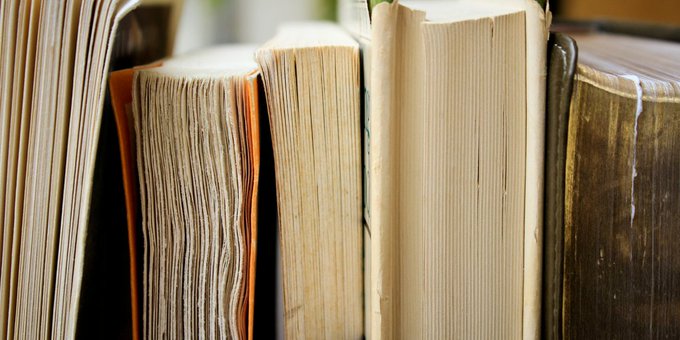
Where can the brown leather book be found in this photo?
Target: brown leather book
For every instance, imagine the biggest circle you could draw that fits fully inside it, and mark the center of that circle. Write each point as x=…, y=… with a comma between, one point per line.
x=613, y=272
x=561, y=68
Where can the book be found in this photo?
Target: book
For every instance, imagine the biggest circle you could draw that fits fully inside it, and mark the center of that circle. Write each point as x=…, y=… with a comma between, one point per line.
x=561, y=67
x=619, y=268
x=428, y=169
x=196, y=144
x=454, y=167
x=197, y=147
x=312, y=83
x=55, y=58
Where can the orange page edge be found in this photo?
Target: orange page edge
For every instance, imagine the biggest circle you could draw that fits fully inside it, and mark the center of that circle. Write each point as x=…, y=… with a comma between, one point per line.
x=254, y=119
x=120, y=85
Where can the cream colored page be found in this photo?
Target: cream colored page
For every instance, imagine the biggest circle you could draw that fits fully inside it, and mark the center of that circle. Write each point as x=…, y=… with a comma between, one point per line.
x=84, y=17
x=21, y=99
x=6, y=65
x=386, y=157
x=86, y=145
x=366, y=185
x=410, y=103
x=384, y=162
x=537, y=26
x=537, y=31
x=80, y=166
x=312, y=87
x=354, y=17
x=474, y=111
x=197, y=161
x=15, y=52
x=44, y=106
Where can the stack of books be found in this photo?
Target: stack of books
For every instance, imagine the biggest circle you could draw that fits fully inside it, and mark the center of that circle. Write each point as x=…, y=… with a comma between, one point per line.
x=421, y=169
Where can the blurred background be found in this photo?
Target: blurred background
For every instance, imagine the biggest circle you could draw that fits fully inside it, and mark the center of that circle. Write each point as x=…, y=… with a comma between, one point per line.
x=209, y=22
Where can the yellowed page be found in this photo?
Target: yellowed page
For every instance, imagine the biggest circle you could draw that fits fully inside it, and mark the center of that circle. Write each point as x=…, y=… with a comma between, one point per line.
x=383, y=194
x=387, y=185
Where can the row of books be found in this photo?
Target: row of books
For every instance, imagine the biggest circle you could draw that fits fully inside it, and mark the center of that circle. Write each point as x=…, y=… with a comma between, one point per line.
x=423, y=169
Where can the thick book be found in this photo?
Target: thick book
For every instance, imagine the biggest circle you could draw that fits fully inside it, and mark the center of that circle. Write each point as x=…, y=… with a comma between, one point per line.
x=54, y=59
x=312, y=83
x=592, y=285
x=192, y=125
x=561, y=67
x=453, y=165
x=190, y=144
x=620, y=248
